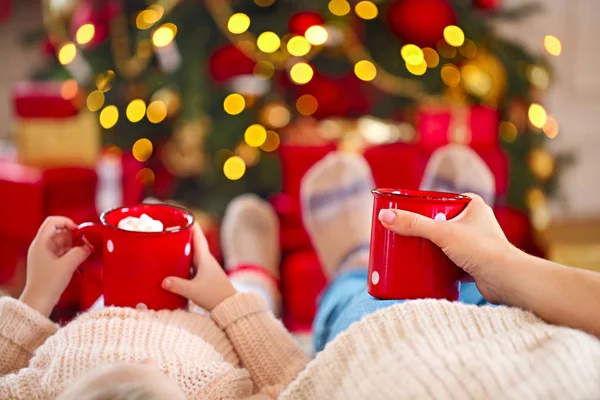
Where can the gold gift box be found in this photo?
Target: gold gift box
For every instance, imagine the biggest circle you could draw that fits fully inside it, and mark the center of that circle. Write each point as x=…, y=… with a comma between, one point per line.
x=574, y=243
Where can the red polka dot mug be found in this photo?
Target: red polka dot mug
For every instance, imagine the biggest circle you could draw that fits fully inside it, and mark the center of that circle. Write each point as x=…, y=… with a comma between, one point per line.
x=135, y=263
x=409, y=267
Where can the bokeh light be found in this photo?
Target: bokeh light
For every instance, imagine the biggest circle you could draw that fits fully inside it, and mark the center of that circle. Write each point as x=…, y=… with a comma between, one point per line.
x=454, y=36
x=234, y=168
x=432, y=59
x=109, y=116
x=541, y=163
x=537, y=115
x=263, y=70
x=365, y=70
x=105, y=80
x=272, y=142
x=255, y=135
x=298, y=46
x=339, y=7
x=142, y=149
x=301, y=73
x=508, y=131
x=145, y=176
x=234, y=104
x=445, y=50
x=146, y=18
x=164, y=35
x=551, y=127
x=552, y=45
x=268, y=42
x=95, y=100
x=412, y=54
x=468, y=49
x=417, y=69
x=264, y=3
x=136, y=110
x=476, y=81
x=538, y=76
x=85, y=33
x=366, y=10
x=156, y=112
x=67, y=53
x=450, y=75
x=316, y=35
x=249, y=154
x=69, y=89
x=307, y=104
x=276, y=115
x=238, y=23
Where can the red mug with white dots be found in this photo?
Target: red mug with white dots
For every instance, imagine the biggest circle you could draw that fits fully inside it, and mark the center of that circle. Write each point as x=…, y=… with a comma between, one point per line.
x=135, y=263
x=403, y=267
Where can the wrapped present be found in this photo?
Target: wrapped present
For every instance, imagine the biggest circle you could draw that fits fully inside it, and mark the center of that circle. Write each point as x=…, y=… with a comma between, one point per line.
x=475, y=126
x=51, y=130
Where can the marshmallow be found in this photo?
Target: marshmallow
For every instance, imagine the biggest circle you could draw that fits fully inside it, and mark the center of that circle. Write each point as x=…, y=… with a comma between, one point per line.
x=144, y=223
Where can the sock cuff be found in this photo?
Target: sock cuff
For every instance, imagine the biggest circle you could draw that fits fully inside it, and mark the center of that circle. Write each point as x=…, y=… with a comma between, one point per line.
x=254, y=269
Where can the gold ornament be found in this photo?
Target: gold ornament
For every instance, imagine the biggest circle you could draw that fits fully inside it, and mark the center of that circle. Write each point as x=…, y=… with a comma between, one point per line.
x=485, y=77
x=184, y=155
x=541, y=163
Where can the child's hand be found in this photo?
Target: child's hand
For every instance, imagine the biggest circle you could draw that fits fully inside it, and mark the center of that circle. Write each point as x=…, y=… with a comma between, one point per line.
x=211, y=285
x=51, y=261
x=473, y=240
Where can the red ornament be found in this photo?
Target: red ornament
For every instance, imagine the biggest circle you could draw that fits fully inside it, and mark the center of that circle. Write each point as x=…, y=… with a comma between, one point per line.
x=487, y=4
x=98, y=14
x=300, y=22
x=228, y=62
x=420, y=22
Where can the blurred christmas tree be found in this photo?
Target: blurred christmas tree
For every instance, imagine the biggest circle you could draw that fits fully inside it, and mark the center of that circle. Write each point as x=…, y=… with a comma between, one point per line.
x=205, y=87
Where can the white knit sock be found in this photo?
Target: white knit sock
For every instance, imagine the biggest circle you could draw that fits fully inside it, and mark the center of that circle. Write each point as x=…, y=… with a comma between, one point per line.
x=253, y=282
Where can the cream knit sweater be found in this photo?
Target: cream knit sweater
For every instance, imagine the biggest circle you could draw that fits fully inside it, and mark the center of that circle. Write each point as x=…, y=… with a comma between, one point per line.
x=417, y=350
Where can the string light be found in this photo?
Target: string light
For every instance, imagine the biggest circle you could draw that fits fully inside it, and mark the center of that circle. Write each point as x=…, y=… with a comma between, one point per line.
x=366, y=10
x=249, y=154
x=142, y=149
x=432, y=59
x=255, y=135
x=276, y=115
x=551, y=127
x=412, y=54
x=85, y=33
x=468, y=49
x=339, y=7
x=365, y=70
x=301, y=73
x=136, y=110
x=417, y=69
x=298, y=46
x=234, y=168
x=109, y=117
x=146, y=18
x=263, y=70
x=538, y=76
x=69, y=89
x=454, y=36
x=268, y=42
x=272, y=142
x=537, y=115
x=238, y=23
x=450, y=75
x=234, y=104
x=316, y=35
x=95, y=100
x=104, y=80
x=307, y=104
x=164, y=35
x=552, y=45
x=156, y=112
x=508, y=131
x=67, y=53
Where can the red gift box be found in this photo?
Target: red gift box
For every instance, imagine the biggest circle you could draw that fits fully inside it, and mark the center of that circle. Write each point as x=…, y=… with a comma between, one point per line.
x=476, y=126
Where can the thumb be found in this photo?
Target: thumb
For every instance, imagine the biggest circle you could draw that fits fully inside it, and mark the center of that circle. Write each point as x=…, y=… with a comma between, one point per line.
x=76, y=256
x=182, y=287
x=406, y=223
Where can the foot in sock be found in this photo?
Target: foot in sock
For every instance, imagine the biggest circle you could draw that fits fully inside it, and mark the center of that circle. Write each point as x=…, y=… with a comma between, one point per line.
x=336, y=210
x=250, y=242
x=458, y=169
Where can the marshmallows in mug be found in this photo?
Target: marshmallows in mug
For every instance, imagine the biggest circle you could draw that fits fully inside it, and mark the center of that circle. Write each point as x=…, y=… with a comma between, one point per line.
x=142, y=224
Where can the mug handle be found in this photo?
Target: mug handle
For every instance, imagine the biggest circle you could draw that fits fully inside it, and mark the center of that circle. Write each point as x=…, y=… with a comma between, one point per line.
x=87, y=228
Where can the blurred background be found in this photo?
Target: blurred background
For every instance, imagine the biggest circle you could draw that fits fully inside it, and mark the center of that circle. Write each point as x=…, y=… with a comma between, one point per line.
x=104, y=103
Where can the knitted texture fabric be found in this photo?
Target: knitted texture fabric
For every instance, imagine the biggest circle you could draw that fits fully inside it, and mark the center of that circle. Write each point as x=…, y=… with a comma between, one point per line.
x=429, y=349
x=205, y=356
x=423, y=349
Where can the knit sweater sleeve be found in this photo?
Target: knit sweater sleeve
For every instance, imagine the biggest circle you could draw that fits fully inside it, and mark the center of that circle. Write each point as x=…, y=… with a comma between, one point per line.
x=264, y=346
x=22, y=330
